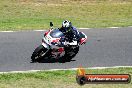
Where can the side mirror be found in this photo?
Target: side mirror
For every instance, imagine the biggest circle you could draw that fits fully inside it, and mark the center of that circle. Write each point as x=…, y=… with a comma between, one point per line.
x=51, y=24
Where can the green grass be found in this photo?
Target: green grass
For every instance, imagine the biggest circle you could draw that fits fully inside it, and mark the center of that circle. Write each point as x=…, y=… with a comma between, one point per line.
x=36, y=14
x=58, y=79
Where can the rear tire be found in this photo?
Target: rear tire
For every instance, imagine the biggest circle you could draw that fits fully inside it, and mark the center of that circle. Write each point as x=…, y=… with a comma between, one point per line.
x=38, y=53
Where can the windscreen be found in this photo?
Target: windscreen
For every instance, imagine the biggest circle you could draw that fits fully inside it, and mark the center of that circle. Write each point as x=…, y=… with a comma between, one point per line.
x=56, y=33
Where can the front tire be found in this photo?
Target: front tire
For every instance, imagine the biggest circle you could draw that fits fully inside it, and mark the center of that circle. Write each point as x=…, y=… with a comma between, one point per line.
x=38, y=53
x=71, y=53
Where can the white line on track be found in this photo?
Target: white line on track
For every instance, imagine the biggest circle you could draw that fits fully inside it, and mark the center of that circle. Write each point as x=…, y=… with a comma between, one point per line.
x=78, y=28
x=85, y=28
x=39, y=30
x=29, y=71
x=113, y=27
x=6, y=31
x=23, y=31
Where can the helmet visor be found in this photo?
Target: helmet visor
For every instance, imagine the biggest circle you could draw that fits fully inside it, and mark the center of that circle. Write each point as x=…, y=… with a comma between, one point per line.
x=67, y=29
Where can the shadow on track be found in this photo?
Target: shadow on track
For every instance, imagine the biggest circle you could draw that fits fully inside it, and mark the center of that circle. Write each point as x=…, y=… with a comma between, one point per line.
x=53, y=60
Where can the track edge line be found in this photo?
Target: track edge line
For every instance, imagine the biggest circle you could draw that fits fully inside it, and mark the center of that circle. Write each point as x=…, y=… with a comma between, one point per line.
x=29, y=71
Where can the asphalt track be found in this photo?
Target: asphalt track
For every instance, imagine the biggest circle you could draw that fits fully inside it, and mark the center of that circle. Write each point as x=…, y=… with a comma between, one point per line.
x=105, y=48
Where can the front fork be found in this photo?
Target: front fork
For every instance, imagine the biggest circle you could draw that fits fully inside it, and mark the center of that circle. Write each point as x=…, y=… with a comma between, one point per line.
x=46, y=46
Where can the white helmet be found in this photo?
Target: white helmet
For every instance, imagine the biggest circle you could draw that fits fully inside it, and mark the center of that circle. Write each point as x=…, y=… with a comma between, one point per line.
x=66, y=25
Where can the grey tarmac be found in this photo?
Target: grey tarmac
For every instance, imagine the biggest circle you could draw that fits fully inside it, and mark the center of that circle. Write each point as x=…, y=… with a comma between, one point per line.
x=105, y=47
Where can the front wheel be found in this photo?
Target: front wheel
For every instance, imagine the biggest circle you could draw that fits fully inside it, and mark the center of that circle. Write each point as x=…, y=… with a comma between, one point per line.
x=71, y=52
x=38, y=53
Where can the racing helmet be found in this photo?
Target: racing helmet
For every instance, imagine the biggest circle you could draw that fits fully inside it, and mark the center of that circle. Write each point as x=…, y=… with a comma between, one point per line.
x=66, y=25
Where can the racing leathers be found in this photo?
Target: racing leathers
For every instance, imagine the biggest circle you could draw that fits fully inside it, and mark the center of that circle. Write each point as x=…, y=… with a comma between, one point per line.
x=70, y=36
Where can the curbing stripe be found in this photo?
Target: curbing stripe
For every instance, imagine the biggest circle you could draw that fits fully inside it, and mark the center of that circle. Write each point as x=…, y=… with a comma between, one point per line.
x=29, y=71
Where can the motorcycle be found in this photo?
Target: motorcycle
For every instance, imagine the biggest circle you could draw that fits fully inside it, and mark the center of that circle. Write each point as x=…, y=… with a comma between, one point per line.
x=51, y=46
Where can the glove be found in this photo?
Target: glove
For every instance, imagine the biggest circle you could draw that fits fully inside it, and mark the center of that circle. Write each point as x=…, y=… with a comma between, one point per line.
x=71, y=43
x=65, y=43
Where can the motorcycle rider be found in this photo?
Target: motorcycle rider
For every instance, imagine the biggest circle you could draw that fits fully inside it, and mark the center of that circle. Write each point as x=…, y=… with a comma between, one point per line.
x=70, y=32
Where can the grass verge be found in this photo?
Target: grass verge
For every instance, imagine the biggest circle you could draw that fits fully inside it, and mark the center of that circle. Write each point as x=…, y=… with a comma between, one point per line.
x=58, y=79
x=36, y=14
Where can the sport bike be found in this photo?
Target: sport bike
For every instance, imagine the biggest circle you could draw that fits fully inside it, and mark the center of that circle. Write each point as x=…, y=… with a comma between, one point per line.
x=53, y=48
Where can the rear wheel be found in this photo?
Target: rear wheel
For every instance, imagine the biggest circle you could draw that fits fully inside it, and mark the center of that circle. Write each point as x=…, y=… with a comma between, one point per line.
x=38, y=53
